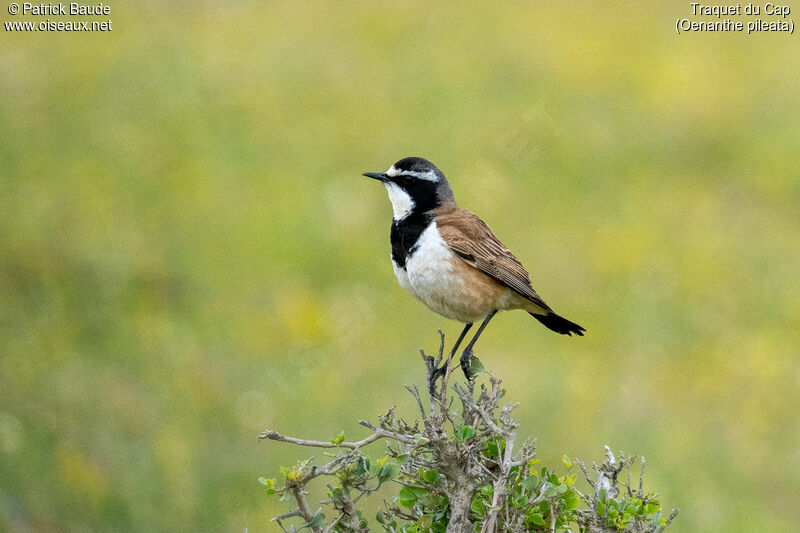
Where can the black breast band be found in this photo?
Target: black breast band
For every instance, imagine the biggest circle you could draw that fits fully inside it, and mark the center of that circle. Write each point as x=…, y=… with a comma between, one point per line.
x=405, y=234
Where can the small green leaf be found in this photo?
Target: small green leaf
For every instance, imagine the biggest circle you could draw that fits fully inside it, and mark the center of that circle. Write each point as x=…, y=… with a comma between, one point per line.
x=566, y=460
x=407, y=497
x=536, y=518
x=431, y=476
x=571, y=500
x=387, y=472
x=362, y=467
x=549, y=491
x=530, y=483
x=477, y=507
x=465, y=432
x=601, y=495
x=561, y=489
x=338, y=440
x=424, y=523
x=475, y=366
x=420, y=491
x=317, y=520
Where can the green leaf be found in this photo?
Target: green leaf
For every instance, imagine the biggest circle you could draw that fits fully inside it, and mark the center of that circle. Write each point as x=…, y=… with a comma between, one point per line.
x=601, y=509
x=424, y=523
x=601, y=495
x=566, y=460
x=419, y=491
x=491, y=450
x=465, y=432
x=407, y=497
x=362, y=467
x=387, y=472
x=536, y=518
x=549, y=490
x=477, y=507
x=317, y=520
x=338, y=440
x=561, y=489
x=530, y=483
x=475, y=366
x=571, y=500
x=431, y=476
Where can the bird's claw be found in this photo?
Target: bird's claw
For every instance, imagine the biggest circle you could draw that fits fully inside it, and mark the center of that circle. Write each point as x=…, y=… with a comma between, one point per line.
x=466, y=362
x=433, y=375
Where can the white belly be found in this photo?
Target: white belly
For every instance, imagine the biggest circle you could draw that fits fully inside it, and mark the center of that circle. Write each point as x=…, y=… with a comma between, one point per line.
x=402, y=277
x=431, y=276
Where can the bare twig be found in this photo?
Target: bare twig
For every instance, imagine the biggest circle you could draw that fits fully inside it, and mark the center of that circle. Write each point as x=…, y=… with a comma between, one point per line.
x=286, y=516
x=490, y=524
x=378, y=434
x=415, y=393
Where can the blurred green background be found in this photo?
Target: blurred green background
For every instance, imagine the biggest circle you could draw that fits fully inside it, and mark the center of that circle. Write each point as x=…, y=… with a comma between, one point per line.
x=188, y=253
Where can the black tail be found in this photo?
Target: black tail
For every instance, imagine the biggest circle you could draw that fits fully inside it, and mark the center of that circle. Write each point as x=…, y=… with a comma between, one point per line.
x=559, y=324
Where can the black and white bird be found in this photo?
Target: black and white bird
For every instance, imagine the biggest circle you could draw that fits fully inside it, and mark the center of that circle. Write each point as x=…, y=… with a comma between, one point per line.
x=450, y=260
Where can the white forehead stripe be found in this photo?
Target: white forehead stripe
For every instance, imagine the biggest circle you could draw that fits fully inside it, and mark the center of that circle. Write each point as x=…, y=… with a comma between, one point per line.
x=428, y=175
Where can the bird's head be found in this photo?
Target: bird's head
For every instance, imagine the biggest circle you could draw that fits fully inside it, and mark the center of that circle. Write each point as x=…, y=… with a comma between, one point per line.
x=414, y=185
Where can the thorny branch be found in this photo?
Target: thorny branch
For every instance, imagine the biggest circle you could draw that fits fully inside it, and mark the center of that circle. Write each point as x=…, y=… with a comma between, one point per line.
x=470, y=478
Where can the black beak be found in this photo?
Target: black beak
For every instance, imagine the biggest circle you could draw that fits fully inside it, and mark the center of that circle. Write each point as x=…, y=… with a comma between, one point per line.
x=380, y=176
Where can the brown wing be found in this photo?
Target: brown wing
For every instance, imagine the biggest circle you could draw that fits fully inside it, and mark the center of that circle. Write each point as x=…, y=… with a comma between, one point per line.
x=472, y=240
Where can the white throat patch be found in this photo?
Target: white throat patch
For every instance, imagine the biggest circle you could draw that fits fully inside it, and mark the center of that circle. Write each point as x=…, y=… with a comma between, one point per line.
x=402, y=204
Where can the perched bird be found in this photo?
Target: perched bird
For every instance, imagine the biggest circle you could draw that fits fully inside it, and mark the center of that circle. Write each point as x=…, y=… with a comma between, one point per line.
x=450, y=260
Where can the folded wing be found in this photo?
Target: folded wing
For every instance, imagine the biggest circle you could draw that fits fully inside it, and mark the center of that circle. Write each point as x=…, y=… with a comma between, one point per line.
x=472, y=240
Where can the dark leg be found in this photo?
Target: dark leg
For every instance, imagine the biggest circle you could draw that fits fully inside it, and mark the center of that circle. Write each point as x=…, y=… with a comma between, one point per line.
x=460, y=338
x=466, y=355
x=436, y=372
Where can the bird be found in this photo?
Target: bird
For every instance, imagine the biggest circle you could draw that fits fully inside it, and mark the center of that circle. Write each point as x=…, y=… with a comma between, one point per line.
x=450, y=260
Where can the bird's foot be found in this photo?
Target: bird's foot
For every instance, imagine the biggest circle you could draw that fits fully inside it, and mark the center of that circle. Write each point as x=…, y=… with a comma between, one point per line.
x=433, y=375
x=466, y=364
x=434, y=370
